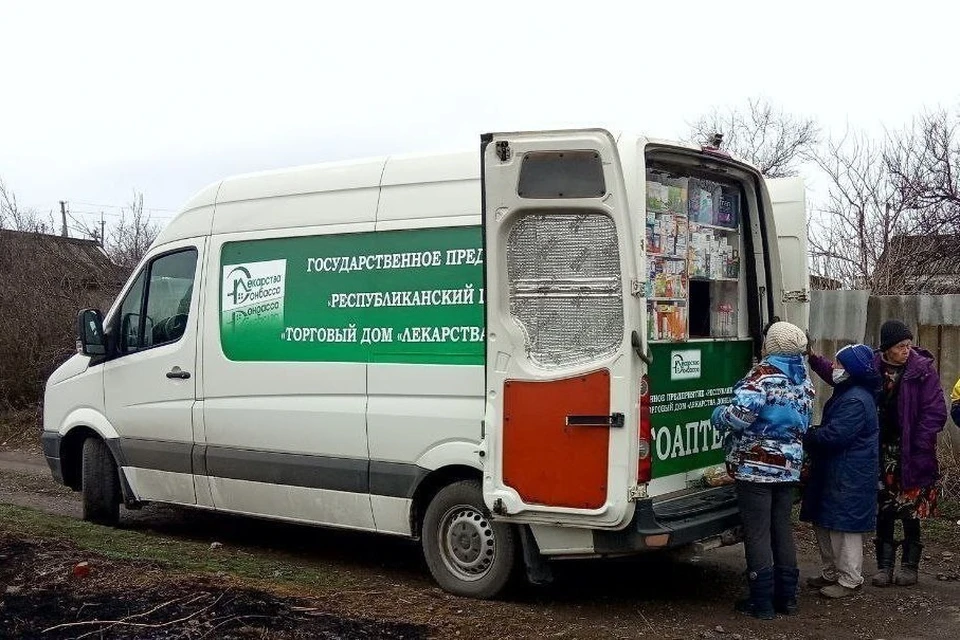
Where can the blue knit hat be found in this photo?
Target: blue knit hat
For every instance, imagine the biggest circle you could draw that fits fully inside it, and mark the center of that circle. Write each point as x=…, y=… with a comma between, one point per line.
x=858, y=361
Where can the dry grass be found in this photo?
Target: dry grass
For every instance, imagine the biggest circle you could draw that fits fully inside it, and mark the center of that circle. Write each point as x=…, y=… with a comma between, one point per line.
x=20, y=429
x=948, y=454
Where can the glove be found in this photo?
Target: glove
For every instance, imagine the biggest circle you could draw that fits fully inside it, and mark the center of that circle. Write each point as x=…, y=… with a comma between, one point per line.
x=809, y=439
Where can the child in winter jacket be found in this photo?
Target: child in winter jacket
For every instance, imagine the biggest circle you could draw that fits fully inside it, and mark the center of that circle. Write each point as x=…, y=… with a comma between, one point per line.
x=763, y=427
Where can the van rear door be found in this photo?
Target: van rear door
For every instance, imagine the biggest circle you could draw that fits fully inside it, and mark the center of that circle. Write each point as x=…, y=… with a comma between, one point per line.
x=562, y=380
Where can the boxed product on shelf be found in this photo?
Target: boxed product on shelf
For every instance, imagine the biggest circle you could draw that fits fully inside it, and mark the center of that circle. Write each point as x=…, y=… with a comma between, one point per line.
x=654, y=277
x=667, y=235
x=676, y=278
x=733, y=265
x=712, y=255
x=658, y=195
x=728, y=208
x=666, y=193
x=720, y=248
x=677, y=190
x=681, y=239
x=667, y=229
x=666, y=321
x=666, y=278
x=702, y=200
x=653, y=240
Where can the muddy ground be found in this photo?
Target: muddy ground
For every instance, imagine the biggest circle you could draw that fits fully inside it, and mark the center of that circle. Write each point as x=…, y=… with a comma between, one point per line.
x=49, y=592
x=380, y=588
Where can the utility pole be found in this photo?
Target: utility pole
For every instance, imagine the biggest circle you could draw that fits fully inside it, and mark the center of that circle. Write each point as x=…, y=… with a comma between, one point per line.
x=103, y=227
x=63, y=214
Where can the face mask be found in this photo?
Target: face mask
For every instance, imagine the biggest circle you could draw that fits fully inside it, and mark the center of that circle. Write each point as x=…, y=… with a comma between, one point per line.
x=839, y=375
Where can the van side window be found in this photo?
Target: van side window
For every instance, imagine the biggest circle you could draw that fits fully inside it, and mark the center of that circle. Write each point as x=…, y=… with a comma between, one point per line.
x=157, y=314
x=129, y=317
x=168, y=298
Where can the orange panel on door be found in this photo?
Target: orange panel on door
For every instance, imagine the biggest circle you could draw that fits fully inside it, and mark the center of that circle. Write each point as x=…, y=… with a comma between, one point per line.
x=545, y=459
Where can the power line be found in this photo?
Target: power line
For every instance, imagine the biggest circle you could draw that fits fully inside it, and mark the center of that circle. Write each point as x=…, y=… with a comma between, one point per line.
x=109, y=214
x=75, y=221
x=106, y=213
x=119, y=206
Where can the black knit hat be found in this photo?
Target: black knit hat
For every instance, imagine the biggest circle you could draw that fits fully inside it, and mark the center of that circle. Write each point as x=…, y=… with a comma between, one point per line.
x=893, y=332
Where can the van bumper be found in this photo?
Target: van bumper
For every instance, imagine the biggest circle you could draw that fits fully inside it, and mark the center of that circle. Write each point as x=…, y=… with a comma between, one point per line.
x=51, y=451
x=709, y=515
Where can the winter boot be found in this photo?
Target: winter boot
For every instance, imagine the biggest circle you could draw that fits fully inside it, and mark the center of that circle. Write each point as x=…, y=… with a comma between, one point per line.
x=760, y=603
x=819, y=582
x=886, y=559
x=785, y=581
x=909, y=563
x=837, y=590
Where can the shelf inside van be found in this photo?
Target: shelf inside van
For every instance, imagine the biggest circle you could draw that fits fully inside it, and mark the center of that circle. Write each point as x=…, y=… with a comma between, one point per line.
x=715, y=227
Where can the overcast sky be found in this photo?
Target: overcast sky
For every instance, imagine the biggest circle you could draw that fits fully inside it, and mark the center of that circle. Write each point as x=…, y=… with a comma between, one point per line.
x=98, y=99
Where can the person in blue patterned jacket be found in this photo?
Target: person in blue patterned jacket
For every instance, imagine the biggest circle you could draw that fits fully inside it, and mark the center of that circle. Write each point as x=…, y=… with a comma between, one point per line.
x=763, y=427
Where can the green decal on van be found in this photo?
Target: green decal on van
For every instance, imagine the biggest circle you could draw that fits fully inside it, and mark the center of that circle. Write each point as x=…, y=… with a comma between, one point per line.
x=412, y=296
x=687, y=380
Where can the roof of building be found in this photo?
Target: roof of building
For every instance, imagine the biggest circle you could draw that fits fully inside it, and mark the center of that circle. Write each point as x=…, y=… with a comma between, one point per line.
x=919, y=264
x=77, y=260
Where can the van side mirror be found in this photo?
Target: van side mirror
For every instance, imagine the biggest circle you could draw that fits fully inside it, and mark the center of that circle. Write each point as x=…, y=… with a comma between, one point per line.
x=90, y=338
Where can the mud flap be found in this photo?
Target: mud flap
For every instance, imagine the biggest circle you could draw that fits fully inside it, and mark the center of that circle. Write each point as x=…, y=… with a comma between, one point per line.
x=539, y=571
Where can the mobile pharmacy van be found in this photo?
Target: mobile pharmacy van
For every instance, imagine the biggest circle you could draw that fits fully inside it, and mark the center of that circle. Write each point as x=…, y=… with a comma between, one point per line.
x=511, y=357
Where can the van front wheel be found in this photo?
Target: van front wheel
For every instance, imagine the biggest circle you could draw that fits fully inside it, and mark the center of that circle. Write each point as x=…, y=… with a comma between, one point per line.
x=468, y=553
x=101, y=483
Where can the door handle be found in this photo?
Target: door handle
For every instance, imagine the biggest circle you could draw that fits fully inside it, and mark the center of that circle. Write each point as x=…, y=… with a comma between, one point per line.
x=614, y=420
x=178, y=374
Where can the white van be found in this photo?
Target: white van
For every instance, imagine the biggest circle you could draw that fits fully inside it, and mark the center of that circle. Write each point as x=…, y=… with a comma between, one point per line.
x=512, y=357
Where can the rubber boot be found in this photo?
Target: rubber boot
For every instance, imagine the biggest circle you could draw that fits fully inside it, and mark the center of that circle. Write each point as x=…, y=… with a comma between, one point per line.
x=760, y=603
x=909, y=564
x=785, y=580
x=886, y=559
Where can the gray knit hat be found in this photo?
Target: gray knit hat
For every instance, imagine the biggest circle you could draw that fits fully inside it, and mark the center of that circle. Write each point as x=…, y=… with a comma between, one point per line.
x=785, y=339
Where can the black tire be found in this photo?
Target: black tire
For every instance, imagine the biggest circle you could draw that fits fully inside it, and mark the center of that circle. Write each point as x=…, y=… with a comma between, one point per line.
x=467, y=553
x=101, y=483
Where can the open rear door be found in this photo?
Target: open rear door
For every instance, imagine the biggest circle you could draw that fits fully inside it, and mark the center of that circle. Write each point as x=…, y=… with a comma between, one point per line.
x=562, y=380
x=787, y=197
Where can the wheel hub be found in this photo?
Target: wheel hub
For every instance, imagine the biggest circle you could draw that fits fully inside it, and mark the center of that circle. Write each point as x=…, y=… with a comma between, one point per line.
x=469, y=546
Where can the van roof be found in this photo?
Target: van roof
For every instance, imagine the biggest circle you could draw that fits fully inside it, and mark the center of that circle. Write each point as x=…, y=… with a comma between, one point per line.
x=197, y=216
x=343, y=192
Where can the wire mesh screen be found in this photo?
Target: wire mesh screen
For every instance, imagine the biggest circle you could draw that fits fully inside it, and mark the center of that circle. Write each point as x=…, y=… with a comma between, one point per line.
x=565, y=287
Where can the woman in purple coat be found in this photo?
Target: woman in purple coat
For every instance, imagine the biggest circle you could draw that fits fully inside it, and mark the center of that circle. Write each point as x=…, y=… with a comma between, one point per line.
x=912, y=412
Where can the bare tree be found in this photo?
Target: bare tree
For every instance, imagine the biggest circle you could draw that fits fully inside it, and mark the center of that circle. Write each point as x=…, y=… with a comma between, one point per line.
x=128, y=241
x=772, y=140
x=892, y=211
x=923, y=160
x=853, y=228
x=43, y=286
x=16, y=218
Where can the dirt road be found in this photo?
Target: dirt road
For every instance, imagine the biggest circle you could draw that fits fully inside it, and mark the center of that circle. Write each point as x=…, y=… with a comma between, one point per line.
x=382, y=588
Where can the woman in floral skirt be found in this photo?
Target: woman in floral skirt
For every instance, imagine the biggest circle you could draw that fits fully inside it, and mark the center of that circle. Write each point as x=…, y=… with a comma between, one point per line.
x=912, y=412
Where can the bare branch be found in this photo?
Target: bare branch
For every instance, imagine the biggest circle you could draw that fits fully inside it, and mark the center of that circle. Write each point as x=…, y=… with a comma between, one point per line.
x=130, y=238
x=767, y=137
x=892, y=211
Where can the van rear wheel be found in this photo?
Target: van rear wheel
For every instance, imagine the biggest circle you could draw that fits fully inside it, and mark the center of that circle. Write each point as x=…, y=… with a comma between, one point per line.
x=101, y=483
x=468, y=553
